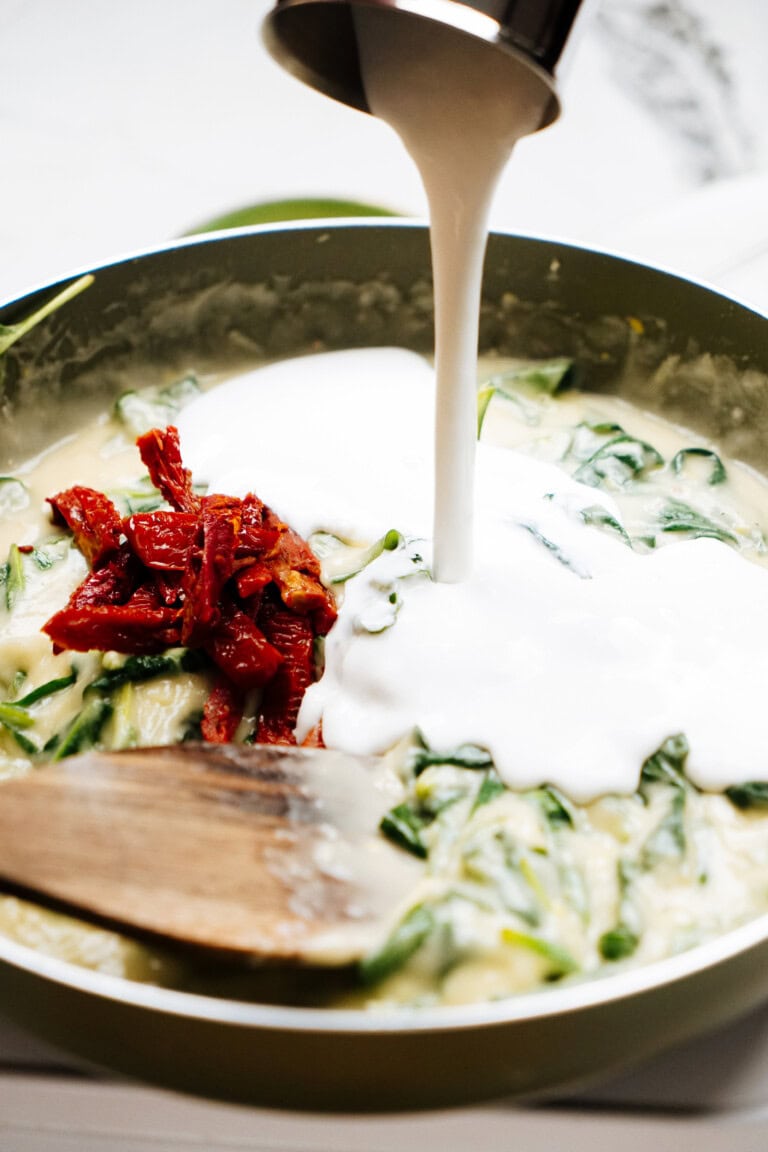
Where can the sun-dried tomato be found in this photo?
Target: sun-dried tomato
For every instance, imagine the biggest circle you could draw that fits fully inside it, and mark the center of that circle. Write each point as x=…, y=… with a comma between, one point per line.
x=210, y=568
x=242, y=651
x=217, y=573
x=296, y=572
x=93, y=520
x=137, y=629
x=160, y=451
x=162, y=540
x=167, y=587
x=113, y=583
x=222, y=713
x=252, y=581
x=294, y=639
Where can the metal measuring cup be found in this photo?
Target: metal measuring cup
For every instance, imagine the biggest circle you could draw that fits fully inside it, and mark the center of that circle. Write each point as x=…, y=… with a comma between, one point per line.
x=315, y=40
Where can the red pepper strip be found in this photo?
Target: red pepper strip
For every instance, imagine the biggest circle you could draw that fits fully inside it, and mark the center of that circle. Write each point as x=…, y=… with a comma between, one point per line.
x=293, y=637
x=92, y=518
x=162, y=540
x=222, y=713
x=115, y=628
x=161, y=453
x=210, y=569
x=242, y=652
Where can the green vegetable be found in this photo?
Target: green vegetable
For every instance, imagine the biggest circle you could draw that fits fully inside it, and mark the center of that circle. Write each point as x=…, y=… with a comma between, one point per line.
x=403, y=826
x=484, y=397
x=15, y=580
x=561, y=962
x=557, y=552
x=558, y=811
x=668, y=839
x=490, y=788
x=47, y=689
x=675, y=516
x=42, y=559
x=10, y=333
x=618, y=943
x=191, y=727
x=667, y=764
x=354, y=560
x=533, y=378
x=751, y=795
x=465, y=756
x=623, y=939
x=382, y=614
x=588, y=438
x=124, y=733
x=621, y=459
x=155, y=407
x=15, y=716
x=14, y=495
x=140, y=497
x=598, y=517
x=83, y=731
x=403, y=943
x=138, y=668
x=27, y=746
x=509, y=868
x=717, y=473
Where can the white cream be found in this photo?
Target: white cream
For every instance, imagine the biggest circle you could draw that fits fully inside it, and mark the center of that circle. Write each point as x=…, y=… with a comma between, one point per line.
x=459, y=109
x=571, y=675
x=334, y=442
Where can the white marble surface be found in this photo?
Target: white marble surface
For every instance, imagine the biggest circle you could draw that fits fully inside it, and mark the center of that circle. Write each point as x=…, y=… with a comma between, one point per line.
x=123, y=125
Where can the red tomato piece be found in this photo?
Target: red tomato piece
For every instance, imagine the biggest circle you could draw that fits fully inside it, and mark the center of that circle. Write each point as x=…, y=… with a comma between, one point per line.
x=210, y=567
x=161, y=453
x=242, y=652
x=115, y=628
x=217, y=573
x=222, y=713
x=293, y=637
x=162, y=540
x=252, y=581
x=113, y=583
x=93, y=520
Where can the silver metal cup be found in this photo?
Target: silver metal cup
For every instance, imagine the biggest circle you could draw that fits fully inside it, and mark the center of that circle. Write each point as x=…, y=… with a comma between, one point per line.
x=315, y=39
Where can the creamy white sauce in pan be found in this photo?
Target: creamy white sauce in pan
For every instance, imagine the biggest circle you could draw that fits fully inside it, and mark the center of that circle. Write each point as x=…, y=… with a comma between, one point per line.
x=569, y=656
x=521, y=656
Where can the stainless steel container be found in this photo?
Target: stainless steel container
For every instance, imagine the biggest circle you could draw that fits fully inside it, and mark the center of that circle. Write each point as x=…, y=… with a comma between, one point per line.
x=221, y=303
x=316, y=40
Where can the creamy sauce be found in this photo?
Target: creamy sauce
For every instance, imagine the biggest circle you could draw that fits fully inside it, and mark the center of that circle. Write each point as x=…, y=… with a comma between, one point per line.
x=649, y=641
x=570, y=663
x=459, y=109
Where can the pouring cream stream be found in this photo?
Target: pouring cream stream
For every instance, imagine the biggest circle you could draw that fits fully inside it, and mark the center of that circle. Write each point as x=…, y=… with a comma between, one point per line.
x=459, y=109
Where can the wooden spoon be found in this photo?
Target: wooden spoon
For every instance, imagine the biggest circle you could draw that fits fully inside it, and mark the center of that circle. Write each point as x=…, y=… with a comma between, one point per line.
x=266, y=851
